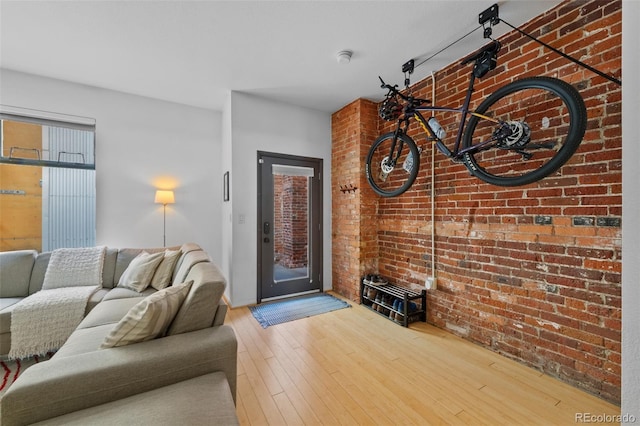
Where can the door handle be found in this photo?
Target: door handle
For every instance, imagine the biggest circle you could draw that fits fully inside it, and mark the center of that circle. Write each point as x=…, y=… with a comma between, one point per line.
x=266, y=227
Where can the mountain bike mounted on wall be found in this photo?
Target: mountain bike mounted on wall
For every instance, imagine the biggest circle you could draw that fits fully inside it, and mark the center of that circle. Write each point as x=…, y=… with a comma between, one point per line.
x=519, y=134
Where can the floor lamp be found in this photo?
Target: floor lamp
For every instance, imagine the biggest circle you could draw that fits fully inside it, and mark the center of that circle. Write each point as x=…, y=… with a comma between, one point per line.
x=164, y=198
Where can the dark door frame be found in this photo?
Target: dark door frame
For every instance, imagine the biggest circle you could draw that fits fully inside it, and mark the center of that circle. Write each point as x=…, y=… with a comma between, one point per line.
x=317, y=211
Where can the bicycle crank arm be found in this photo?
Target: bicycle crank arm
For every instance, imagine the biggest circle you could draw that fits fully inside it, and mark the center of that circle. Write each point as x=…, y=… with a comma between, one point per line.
x=546, y=145
x=525, y=155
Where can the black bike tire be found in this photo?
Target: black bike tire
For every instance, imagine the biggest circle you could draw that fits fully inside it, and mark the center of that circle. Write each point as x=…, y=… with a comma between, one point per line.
x=578, y=118
x=412, y=175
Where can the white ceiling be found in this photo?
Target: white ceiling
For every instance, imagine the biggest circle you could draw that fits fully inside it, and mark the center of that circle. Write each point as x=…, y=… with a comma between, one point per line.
x=195, y=52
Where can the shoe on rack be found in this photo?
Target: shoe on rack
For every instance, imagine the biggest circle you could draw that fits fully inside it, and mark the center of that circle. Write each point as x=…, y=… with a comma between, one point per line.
x=378, y=280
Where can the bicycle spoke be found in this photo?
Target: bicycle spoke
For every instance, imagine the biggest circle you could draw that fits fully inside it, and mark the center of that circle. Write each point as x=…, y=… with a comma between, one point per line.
x=539, y=118
x=392, y=177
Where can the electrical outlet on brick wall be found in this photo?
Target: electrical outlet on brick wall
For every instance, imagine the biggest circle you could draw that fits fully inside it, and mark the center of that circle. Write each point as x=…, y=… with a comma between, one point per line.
x=430, y=283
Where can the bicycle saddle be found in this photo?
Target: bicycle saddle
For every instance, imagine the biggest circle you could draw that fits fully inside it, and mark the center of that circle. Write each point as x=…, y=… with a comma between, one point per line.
x=486, y=58
x=492, y=47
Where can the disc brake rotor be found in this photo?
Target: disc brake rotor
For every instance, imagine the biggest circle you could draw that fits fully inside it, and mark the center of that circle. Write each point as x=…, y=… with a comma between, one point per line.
x=518, y=134
x=385, y=166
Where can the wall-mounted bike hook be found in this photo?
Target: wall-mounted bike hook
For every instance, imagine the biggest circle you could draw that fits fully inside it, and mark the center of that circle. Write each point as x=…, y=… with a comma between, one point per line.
x=407, y=69
x=489, y=15
x=408, y=66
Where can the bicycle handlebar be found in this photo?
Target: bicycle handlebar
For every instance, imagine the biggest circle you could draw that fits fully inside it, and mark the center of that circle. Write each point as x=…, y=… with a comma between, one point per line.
x=393, y=91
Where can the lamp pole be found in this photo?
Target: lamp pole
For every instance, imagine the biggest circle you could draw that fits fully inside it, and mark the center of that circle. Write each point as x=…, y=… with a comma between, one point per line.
x=164, y=197
x=164, y=225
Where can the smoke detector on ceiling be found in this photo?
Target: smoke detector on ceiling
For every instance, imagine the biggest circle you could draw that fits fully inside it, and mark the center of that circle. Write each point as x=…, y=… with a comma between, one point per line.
x=344, y=56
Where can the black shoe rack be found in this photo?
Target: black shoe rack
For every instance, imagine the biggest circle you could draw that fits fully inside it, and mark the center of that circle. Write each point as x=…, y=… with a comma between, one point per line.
x=398, y=304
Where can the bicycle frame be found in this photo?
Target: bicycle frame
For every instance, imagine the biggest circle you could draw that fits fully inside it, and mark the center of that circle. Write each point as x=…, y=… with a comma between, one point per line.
x=456, y=153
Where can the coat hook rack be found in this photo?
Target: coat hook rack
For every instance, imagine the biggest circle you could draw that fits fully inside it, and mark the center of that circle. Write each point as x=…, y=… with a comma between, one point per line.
x=348, y=188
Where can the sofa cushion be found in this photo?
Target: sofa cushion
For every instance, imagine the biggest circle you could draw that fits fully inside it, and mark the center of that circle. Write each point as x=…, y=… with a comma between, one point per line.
x=202, y=400
x=6, y=307
x=42, y=261
x=5, y=343
x=126, y=255
x=199, y=308
x=162, y=278
x=138, y=274
x=84, y=340
x=109, y=268
x=15, y=272
x=95, y=298
x=185, y=249
x=71, y=267
x=6, y=302
x=126, y=293
x=39, y=269
x=188, y=260
x=109, y=312
x=149, y=318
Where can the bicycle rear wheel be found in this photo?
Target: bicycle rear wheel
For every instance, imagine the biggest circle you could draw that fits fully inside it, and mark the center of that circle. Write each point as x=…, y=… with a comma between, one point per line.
x=391, y=174
x=541, y=123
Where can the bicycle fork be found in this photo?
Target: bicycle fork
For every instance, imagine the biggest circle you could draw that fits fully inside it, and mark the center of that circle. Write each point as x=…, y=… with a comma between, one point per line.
x=389, y=162
x=409, y=162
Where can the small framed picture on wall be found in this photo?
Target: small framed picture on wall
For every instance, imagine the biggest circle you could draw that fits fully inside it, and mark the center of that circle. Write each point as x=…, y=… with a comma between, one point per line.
x=225, y=186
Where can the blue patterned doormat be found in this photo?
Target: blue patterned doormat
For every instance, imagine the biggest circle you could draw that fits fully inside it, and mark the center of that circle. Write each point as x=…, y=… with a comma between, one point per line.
x=289, y=310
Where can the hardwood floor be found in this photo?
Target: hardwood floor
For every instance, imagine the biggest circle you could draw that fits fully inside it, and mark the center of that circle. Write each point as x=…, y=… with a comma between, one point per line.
x=353, y=366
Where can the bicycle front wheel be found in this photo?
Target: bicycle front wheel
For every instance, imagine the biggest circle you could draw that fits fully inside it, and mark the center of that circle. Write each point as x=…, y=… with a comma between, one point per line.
x=526, y=130
x=392, y=164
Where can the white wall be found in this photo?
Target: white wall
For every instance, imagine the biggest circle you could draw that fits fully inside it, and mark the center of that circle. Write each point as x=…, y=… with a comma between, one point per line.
x=227, y=212
x=141, y=144
x=630, y=210
x=258, y=124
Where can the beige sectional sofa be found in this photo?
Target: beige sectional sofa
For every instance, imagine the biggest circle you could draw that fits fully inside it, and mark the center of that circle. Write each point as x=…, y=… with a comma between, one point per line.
x=150, y=381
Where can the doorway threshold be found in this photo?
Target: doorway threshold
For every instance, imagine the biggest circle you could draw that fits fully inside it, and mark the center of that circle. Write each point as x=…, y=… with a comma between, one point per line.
x=288, y=296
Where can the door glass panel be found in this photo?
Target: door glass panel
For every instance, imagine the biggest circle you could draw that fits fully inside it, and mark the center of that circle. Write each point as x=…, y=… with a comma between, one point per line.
x=291, y=236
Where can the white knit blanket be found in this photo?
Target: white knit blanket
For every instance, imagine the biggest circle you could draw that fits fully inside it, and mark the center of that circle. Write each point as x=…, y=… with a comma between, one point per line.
x=71, y=267
x=43, y=321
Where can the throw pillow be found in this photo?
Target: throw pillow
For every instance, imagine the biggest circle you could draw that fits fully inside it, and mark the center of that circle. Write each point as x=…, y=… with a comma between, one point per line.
x=148, y=319
x=138, y=274
x=72, y=267
x=162, y=278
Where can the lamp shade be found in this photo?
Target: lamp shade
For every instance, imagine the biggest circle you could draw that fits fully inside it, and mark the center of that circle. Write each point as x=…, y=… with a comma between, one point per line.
x=164, y=197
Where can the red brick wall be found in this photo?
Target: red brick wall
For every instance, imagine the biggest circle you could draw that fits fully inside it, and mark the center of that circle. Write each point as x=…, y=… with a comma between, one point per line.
x=291, y=220
x=354, y=213
x=531, y=272
x=278, y=222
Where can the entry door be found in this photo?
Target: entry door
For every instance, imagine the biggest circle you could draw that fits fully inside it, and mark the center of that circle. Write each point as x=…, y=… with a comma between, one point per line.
x=289, y=226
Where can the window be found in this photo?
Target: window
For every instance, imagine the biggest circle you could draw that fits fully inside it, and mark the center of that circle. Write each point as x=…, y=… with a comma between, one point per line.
x=47, y=180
